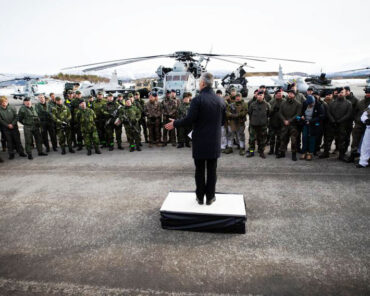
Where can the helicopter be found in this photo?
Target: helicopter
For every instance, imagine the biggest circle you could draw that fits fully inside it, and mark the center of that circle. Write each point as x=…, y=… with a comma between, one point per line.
x=185, y=73
x=237, y=80
x=30, y=88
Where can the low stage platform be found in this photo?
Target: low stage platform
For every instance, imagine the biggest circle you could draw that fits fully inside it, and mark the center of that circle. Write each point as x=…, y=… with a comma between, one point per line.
x=180, y=211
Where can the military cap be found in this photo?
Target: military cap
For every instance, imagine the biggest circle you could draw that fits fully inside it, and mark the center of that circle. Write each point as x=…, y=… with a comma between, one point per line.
x=100, y=92
x=130, y=95
x=310, y=88
x=78, y=92
x=109, y=95
x=256, y=91
x=69, y=92
x=137, y=93
x=154, y=94
x=219, y=91
x=172, y=90
x=81, y=101
x=90, y=96
x=120, y=95
x=328, y=92
x=26, y=99
x=315, y=92
x=233, y=89
x=278, y=90
x=262, y=86
x=260, y=92
x=168, y=91
x=339, y=89
x=58, y=99
x=291, y=91
x=347, y=88
x=238, y=95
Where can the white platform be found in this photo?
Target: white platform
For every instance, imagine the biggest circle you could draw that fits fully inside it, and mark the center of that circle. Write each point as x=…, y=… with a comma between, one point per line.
x=185, y=203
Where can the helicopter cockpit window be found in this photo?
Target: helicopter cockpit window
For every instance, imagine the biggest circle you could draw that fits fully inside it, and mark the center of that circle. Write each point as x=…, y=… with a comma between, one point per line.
x=176, y=78
x=169, y=78
x=184, y=77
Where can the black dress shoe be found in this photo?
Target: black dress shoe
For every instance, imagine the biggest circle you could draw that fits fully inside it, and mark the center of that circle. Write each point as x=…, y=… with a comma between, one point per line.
x=180, y=145
x=11, y=156
x=138, y=148
x=211, y=201
x=30, y=157
x=55, y=149
x=71, y=150
x=200, y=201
x=22, y=154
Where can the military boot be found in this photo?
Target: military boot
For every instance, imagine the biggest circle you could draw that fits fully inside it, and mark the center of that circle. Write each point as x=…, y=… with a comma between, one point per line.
x=180, y=145
x=88, y=151
x=250, y=153
x=63, y=150
x=262, y=155
x=272, y=150
x=42, y=154
x=187, y=144
x=48, y=149
x=11, y=156
x=79, y=147
x=294, y=156
x=1, y=160
x=350, y=158
x=325, y=154
x=97, y=150
x=119, y=146
x=281, y=154
x=71, y=150
x=242, y=151
x=229, y=150
x=30, y=157
x=111, y=148
x=132, y=148
x=341, y=156
x=138, y=148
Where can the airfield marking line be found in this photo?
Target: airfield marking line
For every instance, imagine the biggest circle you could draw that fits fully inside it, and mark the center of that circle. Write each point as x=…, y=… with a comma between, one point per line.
x=66, y=289
x=186, y=172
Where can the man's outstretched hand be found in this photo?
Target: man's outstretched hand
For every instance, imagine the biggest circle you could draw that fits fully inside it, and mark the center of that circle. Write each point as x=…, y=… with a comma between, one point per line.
x=169, y=126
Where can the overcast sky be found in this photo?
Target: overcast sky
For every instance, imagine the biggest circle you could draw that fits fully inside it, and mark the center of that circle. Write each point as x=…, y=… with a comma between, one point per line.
x=40, y=36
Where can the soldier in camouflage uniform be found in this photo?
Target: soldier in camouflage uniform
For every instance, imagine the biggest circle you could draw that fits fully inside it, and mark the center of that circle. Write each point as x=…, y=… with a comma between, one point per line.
x=258, y=114
x=275, y=123
x=110, y=111
x=98, y=106
x=90, y=102
x=72, y=105
x=43, y=110
x=62, y=117
x=27, y=115
x=139, y=103
x=169, y=110
x=182, y=132
x=130, y=116
x=289, y=112
x=9, y=127
x=236, y=113
x=86, y=122
x=153, y=113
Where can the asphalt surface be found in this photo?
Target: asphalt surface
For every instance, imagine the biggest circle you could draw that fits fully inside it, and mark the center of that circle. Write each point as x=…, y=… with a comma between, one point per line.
x=79, y=225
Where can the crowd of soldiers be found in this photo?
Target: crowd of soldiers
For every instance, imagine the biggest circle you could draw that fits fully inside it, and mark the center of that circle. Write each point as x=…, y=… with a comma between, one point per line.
x=93, y=123
x=310, y=123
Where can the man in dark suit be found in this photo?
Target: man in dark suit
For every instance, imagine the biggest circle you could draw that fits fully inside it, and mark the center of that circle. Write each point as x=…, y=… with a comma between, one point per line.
x=206, y=115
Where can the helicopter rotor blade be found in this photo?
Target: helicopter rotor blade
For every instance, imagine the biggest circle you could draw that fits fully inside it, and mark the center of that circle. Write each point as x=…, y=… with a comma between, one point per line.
x=233, y=62
x=259, y=57
x=117, y=64
x=121, y=60
x=367, y=68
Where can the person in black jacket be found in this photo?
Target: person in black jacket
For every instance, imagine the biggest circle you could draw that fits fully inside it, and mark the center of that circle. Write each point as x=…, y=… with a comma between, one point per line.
x=206, y=115
x=312, y=116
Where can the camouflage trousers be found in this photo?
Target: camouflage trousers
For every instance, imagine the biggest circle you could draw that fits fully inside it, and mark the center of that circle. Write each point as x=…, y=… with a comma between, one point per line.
x=289, y=132
x=154, y=128
x=357, y=134
x=133, y=137
x=100, y=122
x=275, y=137
x=238, y=134
x=30, y=133
x=336, y=131
x=259, y=134
x=91, y=138
x=64, y=135
x=109, y=132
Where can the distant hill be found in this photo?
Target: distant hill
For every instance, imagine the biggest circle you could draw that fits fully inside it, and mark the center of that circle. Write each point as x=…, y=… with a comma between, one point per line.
x=80, y=78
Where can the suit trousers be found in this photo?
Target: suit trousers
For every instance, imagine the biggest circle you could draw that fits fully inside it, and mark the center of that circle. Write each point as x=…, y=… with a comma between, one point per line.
x=203, y=186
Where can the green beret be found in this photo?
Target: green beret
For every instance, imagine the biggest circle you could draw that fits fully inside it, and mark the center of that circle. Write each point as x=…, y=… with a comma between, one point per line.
x=100, y=93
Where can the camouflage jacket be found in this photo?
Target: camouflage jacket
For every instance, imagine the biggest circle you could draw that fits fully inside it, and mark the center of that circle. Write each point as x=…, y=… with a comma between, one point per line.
x=132, y=113
x=72, y=104
x=44, y=111
x=28, y=116
x=86, y=120
x=61, y=113
x=98, y=106
x=139, y=103
x=183, y=109
x=110, y=109
x=169, y=107
x=237, y=111
x=153, y=109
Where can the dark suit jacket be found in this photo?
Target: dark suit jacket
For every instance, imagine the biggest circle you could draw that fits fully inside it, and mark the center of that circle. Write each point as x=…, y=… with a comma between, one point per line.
x=206, y=114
